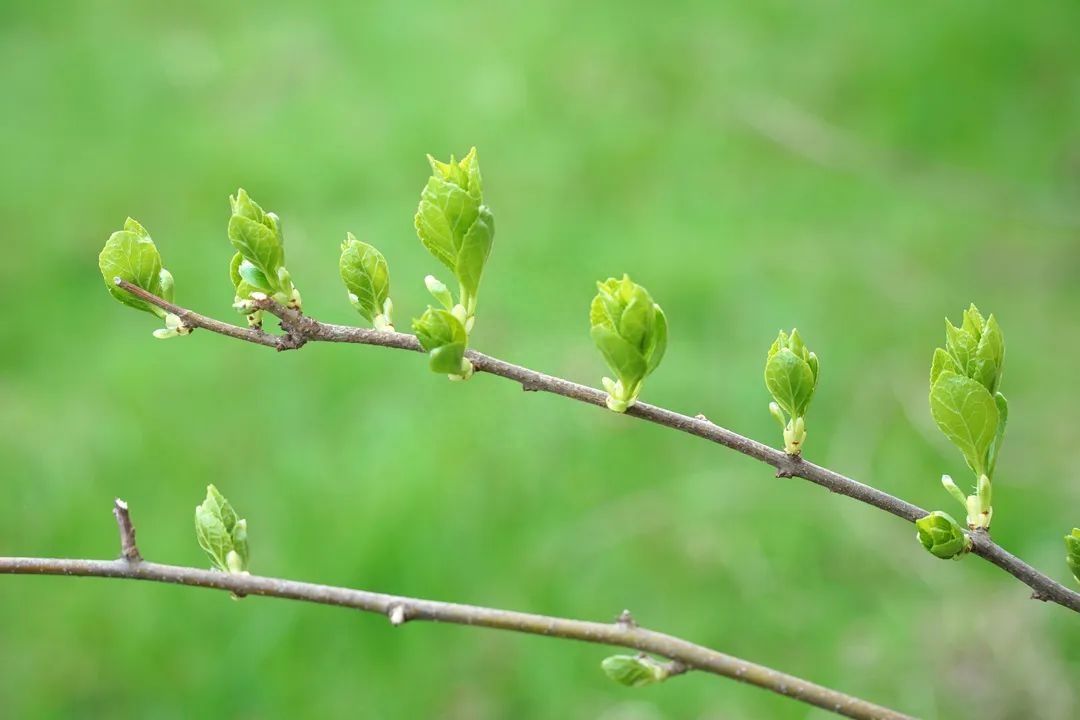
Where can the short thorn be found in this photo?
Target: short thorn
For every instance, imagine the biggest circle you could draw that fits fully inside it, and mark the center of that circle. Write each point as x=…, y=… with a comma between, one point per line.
x=128, y=549
x=626, y=620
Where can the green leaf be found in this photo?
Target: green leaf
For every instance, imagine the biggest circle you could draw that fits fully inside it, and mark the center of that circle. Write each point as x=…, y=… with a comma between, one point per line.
x=790, y=381
x=1003, y=419
x=447, y=359
x=366, y=276
x=968, y=416
x=439, y=291
x=257, y=236
x=623, y=358
x=632, y=670
x=433, y=226
x=654, y=352
x=212, y=536
x=240, y=542
x=475, y=248
x=220, y=532
x=781, y=341
x=444, y=338
x=1072, y=548
x=989, y=358
x=796, y=344
x=254, y=277
x=131, y=255
x=942, y=536
x=258, y=246
x=961, y=345
x=973, y=322
x=942, y=362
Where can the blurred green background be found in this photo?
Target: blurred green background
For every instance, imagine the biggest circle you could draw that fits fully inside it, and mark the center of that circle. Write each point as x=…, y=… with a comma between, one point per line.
x=858, y=170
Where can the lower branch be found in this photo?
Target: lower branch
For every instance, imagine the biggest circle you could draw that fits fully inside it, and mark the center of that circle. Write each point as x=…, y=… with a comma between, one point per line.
x=681, y=653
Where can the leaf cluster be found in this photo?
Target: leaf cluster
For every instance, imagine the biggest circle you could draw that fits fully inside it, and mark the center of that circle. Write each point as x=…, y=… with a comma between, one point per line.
x=455, y=225
x=631, y=332
x=964, y=399
x=259, y=263
x=791, y=376
x=221, y=533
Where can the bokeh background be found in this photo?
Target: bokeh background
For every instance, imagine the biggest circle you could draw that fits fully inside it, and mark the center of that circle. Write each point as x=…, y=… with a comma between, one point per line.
x=860, y=170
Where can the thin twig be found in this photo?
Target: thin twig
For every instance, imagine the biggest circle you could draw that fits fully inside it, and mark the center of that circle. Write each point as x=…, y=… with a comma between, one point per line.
x=128, y=549
x=300, y=329
x=683, y=655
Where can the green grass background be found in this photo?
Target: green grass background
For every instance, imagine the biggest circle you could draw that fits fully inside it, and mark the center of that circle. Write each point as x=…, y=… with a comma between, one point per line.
x=860, y=170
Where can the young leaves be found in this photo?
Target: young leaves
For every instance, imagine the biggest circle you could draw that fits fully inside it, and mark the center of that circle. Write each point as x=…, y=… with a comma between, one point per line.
x=630, y=330
x=1072, y=549
x=791, y=375
x=966, y=405
x=259, y=262
x=443, y=336
x=454, y=224
x=635, y=670
x=367, y=277
x=942, y=536
x=130, y=254
x=221, y=533
x=457, y=228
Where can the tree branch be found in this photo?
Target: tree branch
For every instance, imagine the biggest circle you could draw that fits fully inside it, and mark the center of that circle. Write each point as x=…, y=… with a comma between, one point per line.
x=624, y=632
x=300, y=329
x=128, y=549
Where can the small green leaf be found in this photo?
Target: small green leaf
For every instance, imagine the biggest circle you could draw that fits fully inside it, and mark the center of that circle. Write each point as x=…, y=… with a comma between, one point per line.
x=258, y=246
x=942, y=362
x=443, y=336
x=942, y=536
x=1003, y=419
x=257, y=236
x=1072, y=548
x=221, y=533
x=812, y=361
x=240, y=542
x=624, y=359
x=366, y=276
x=973, y=323
x=130, y=254
x=989, y=358
x=212, y=536
x=657, y=344
x=968, y=416
x=790, y=381
x=448, y=359
x=439, y=291
x=961, y=345
x=633, y=670
x=474, y=252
